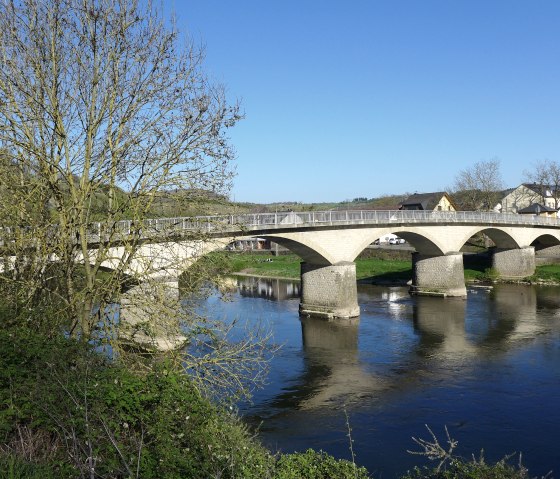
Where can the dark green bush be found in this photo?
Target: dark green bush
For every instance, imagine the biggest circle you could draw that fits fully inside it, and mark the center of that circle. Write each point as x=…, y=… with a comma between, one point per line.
x=155, y=422
x=13, y=467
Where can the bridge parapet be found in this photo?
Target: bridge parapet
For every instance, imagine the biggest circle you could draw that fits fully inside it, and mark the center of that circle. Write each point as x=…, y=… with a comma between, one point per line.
x=235, y=225
x=259, y=221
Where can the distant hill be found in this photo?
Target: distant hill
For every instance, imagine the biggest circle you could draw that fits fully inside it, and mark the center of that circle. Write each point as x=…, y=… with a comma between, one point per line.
x=382, y=202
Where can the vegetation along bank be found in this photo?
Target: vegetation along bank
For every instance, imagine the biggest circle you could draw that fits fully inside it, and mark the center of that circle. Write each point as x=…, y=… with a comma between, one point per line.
x=375, y=266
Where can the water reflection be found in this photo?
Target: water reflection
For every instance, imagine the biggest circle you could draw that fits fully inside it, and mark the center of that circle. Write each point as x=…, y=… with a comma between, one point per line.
x=488, y=366
x=431, y=335
x=273, y=289
x=334, y=370
x=440, y=326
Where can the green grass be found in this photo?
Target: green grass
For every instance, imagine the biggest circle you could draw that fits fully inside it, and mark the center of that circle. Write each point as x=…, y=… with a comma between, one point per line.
x=288, y=266
x=383, y=270
x=283, y=266
x=378, y=267
x=547, y=273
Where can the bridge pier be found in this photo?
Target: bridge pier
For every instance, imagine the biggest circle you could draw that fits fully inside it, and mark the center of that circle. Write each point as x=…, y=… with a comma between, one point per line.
x=329, y=291
x=148, y=316
x=438, y=275
x=514, y=263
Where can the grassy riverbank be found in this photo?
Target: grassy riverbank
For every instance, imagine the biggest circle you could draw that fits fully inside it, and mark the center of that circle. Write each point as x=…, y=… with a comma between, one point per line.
x=373, y=266
x=388, y=268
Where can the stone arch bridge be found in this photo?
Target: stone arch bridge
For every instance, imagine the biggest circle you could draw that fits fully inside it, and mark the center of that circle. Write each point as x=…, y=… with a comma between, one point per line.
x=328, y=243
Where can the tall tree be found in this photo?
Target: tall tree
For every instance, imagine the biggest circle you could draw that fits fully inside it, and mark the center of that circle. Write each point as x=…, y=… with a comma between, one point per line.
x=104, y=111
x=479, y=186
x=100, y=101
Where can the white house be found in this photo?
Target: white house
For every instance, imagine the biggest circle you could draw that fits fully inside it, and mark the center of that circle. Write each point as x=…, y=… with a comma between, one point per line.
x=526, y=195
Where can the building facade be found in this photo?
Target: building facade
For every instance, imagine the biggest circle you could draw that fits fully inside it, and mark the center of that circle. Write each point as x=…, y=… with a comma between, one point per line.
x=526, y=195
x=438, y=201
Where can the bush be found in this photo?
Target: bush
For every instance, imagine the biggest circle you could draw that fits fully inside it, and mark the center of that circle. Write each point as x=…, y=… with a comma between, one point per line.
x=316, y=465
x=12, y=467
x=65, y=409
x=471, y=470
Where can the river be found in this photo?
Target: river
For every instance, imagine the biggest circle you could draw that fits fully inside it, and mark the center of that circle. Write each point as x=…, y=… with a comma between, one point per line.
x=487, y=367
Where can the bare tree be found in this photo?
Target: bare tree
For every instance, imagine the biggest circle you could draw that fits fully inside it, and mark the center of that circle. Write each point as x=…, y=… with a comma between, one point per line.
x=479, y=186
x=104, y=112
x=545, y=174
x=99, y=99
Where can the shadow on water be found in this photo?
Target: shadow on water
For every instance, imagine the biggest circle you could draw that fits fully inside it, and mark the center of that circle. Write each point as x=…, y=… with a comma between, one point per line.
x=389, y=278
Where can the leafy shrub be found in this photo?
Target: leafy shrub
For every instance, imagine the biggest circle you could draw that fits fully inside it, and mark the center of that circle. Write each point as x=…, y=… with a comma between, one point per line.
x=471, y=470
x=316, y=465
x=63, y=404
x=13, y=467
x=123, y=424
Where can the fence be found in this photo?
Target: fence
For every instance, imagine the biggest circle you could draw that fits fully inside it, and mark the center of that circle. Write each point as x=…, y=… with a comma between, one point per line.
x=246, y=223
x=263, y=221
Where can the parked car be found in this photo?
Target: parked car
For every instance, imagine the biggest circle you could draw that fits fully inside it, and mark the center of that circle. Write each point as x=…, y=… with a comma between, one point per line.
x=396, y=241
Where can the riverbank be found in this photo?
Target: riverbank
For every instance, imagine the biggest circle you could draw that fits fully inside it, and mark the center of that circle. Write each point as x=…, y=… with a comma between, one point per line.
x=68, y=411
x=373, y=266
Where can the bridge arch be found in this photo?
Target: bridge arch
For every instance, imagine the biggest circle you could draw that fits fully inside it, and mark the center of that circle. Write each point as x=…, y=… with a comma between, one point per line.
x=423, y=241
x=545, y=241
x=501, y=238
x=310, y=253
x=424, y=244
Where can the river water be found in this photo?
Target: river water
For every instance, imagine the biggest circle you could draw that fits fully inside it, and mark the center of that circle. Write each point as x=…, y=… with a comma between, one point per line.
x=487, y=367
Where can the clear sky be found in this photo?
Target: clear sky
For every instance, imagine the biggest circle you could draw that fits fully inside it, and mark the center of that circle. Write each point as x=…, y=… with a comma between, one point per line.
x=361, y=98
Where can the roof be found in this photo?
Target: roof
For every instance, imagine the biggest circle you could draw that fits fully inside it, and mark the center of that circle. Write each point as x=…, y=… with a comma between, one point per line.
x=384, y=208
x=536, y=208
x=426, y=201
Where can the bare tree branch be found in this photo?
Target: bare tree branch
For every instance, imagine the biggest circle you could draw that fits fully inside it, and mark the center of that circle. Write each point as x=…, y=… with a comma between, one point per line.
x=479, y=187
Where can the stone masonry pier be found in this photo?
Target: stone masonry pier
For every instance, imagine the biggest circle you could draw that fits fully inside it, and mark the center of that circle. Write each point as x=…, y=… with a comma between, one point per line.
x=438, y=275
x=514, y=263
x=329, y=291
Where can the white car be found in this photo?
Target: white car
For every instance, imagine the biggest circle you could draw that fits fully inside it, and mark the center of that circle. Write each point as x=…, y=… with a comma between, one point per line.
x=396, y=241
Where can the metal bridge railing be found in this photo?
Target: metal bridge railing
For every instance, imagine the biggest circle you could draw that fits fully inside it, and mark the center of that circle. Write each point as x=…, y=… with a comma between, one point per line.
x=263, y=221
x=247, y=223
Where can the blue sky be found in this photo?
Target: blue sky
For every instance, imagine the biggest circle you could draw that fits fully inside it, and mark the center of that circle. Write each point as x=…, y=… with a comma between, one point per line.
x=366, y=98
